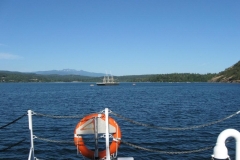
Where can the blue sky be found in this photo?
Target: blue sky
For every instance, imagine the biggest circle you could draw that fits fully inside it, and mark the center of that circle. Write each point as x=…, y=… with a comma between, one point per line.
x=127, y=37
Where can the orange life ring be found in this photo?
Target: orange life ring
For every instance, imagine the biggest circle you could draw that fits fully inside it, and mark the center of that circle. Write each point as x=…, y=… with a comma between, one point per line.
x=78, y=140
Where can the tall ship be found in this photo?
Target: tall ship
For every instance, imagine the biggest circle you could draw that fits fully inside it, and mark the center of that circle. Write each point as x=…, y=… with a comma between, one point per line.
x=107, y=81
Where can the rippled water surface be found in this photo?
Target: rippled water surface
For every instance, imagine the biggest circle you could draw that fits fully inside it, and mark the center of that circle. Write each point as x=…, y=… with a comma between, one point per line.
x=172, y=105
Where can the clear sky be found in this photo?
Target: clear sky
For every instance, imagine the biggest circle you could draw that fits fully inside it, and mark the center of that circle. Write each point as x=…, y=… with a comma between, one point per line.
x=125, y=37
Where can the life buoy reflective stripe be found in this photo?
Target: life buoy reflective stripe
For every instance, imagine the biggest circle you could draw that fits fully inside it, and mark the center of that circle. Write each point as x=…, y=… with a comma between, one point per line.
x=82, y=126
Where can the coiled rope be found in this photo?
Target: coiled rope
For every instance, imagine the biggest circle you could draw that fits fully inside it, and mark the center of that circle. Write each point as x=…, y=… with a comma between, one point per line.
x=168, y=128
x=13, y=121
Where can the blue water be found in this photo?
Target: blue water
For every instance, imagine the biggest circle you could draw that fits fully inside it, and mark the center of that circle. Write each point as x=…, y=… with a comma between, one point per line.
x=161, y=104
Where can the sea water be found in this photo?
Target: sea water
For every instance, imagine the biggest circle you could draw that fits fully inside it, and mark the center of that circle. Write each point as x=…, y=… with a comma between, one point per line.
x=172, y=105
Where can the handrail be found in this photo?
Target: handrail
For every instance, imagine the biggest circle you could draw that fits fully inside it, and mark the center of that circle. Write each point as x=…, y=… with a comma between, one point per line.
x=220, y=150
x=107, y=135
x=31, y=152
x=177, y=129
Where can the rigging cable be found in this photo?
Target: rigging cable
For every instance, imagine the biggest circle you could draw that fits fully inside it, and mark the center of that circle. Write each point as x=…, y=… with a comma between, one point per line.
x=135, y=146
x=168, y=128
x=13, y=145
x=54, y=116
x=13, y=121
x=167, y=152
x=57, y=141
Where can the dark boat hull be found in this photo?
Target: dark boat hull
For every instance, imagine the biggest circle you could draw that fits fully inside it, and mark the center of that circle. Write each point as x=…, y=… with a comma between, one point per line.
x=107, y=84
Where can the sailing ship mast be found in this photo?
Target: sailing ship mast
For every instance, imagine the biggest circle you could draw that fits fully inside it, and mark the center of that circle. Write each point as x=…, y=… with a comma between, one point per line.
x=108, y=80
x=104, y=79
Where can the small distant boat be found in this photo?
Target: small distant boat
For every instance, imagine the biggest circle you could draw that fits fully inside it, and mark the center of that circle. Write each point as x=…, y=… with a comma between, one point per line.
x=91, y=85
x=134, y=84
x=107, y=81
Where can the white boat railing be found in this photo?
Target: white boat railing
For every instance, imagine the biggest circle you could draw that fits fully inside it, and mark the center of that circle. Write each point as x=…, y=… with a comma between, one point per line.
x=220, y=150
x=31, y=152
x=107, y=135
x=108, y=157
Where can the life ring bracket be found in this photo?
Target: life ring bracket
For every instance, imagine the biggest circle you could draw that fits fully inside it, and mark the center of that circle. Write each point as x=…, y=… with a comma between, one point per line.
x=87, y=126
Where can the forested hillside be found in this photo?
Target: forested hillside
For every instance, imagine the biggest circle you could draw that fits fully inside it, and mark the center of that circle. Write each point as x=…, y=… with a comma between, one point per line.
x=174, y=77
x=6, y=76
x=231, y=74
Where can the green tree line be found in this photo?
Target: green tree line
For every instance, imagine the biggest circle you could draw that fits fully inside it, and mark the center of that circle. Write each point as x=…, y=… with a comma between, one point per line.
x=6, y=76
x=174, y=77
x=233, y=72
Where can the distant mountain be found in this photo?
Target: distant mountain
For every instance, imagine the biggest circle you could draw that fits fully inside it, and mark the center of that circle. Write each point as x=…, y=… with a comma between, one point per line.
x=231, y=74
x=70, y=72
